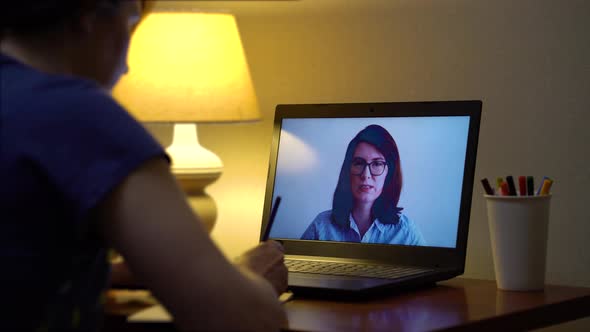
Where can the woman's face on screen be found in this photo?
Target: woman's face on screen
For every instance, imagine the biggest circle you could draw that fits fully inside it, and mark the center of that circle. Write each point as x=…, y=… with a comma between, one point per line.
x=368, y=173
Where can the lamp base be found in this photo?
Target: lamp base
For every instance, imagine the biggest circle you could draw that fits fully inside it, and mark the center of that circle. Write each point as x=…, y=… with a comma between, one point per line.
x=194, y=183
x=204, y=206
x=188, y=156
x=195, y=168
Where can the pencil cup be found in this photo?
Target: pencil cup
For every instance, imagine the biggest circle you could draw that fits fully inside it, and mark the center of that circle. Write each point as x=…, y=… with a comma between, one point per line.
x=518, y=230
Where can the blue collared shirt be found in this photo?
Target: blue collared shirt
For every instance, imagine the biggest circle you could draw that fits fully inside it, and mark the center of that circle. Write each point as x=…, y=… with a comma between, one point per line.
x=404, y=232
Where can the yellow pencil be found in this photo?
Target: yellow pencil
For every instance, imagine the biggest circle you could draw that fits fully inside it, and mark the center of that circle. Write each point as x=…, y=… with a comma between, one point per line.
x=546, y=186
x=499, y=181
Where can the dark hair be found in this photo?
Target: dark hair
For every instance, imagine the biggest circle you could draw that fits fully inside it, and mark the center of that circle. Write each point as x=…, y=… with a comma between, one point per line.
x=385, y=207
x=30, y=16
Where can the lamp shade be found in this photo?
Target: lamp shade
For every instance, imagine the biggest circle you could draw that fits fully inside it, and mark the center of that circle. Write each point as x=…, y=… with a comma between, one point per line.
x=187, y=67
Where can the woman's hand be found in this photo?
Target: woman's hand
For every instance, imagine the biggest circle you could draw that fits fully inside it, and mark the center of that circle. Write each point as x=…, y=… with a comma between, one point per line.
x=267, y=261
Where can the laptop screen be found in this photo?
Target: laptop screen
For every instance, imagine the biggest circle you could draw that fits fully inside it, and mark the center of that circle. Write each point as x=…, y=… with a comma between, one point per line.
x=393, y=180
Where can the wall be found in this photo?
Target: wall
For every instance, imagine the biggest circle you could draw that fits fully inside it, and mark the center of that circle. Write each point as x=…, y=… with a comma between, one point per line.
x=529, y=61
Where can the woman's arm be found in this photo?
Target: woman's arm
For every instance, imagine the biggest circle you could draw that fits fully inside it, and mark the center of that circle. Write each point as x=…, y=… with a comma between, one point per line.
x=148, y=221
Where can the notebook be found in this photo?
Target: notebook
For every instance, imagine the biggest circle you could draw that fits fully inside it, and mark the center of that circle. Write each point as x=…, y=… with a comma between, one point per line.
x=375, y=196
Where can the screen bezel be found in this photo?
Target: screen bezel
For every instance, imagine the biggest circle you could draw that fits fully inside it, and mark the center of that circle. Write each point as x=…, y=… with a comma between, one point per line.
x=394, y=254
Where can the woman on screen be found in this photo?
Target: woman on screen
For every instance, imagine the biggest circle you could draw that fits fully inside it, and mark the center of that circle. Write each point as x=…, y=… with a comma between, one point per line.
x=364, y=208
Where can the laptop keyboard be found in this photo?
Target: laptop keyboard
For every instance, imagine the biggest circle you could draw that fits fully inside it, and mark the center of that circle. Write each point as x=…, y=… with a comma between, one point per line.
x=353, y=269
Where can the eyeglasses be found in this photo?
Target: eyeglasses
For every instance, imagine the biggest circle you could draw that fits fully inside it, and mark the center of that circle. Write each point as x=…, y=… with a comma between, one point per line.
x=376, y=167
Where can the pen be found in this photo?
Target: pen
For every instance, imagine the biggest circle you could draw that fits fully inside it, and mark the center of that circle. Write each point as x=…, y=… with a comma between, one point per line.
x=499, y=181
x=486, y=186
x=511, y=187
x=541, y=185
x=522, y=185
x=273, y=213
x=530, y=185
x=504, y=189
x=546, y=186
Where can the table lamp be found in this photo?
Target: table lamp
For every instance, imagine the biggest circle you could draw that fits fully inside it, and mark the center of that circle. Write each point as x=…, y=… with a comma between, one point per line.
x=188, y=68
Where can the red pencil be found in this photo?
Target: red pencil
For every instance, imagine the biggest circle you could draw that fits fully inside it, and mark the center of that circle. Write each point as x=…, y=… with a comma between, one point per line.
x=522, y=185
x=504, y=189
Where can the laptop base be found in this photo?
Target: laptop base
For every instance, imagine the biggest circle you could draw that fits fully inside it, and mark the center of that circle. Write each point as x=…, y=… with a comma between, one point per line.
x=354, y=289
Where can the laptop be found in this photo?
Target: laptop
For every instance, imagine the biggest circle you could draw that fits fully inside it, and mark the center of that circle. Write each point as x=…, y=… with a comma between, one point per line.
x=374, y=196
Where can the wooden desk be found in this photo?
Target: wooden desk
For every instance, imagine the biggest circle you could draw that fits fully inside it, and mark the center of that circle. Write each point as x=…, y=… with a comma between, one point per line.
x=455, y=305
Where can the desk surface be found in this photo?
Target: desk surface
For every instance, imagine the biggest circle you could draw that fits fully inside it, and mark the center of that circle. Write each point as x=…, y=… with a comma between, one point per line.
x=456, y=305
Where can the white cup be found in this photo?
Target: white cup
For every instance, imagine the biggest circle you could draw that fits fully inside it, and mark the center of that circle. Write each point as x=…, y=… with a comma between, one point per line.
x=518, y=230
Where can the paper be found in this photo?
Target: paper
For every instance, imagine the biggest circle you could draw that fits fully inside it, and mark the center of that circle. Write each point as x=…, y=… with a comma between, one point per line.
x=156, y=313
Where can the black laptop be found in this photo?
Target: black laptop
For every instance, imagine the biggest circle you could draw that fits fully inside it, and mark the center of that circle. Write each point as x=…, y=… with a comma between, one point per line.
x=375, y=196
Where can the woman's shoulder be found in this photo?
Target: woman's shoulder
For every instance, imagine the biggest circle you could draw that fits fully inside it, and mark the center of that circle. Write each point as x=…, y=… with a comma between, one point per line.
x=82, y=105
x=30, y=92
x=407, y=224
x=323, y=217
x=404, y=220
x=75, y=94
x=409, y=227
x=24, y=77
x=403, y=217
